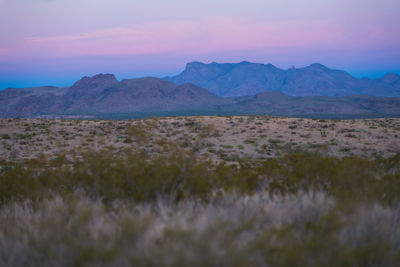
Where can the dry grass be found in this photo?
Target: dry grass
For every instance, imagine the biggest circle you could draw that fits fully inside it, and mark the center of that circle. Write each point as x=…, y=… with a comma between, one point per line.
x=258, y=230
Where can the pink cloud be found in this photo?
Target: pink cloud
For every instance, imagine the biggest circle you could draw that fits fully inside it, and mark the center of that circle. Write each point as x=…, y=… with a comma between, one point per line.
x=206, y=36
x=3, y=52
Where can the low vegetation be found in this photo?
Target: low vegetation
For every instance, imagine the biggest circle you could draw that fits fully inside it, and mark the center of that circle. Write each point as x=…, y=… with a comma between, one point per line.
x=101, y=208
x=133, y=176
x=255, y=137
x=221, y=191
x=256, y=230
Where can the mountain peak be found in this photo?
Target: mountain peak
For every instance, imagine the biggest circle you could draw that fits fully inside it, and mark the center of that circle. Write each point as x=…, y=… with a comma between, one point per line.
x=194, y=64
x=100, y=77
x=317, y=66
x=96, y=80
x=104, y=76
x=391, y=77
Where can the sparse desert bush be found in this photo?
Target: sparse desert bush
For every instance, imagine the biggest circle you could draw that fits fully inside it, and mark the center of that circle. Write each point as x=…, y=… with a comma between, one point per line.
x=138, y=132
x=274, y=141
x=6, y=136
x=305, y=135
x=344, y=149
x=207, y=130
x=128, y=141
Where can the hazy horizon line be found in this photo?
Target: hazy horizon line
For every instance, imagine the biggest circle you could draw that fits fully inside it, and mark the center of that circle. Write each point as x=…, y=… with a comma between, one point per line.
x=157, y=74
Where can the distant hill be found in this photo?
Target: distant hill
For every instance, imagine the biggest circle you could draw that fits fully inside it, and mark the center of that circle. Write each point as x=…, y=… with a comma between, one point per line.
x=355, y=106
x=245, y=78
x=104, y=96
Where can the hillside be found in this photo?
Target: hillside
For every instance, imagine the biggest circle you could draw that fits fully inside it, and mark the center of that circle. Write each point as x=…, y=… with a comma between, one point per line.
x=103, y=94
x=277, y=103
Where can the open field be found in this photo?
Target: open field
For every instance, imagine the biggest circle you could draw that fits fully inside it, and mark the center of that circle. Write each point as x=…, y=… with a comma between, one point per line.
x=200, y=191
x=223, y=138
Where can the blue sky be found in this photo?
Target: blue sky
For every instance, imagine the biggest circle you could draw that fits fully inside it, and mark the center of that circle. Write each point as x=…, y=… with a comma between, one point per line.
x=58, y=41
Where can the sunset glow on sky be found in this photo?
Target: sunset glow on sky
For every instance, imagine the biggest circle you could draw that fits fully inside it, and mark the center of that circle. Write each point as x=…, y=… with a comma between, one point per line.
x=55, y=42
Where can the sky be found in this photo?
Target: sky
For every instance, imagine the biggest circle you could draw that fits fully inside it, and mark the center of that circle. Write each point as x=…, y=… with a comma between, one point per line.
x=56, y=42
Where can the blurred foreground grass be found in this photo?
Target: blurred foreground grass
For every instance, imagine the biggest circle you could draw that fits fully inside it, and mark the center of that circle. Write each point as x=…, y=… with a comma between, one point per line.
x=127, y=209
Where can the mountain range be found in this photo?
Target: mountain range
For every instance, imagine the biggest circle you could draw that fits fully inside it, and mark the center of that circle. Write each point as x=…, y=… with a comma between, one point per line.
x=103, y=96
x=245, y=78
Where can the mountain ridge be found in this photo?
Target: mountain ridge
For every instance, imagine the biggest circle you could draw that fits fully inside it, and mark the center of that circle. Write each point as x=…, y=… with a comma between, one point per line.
x=246, y=78
x=102, y=95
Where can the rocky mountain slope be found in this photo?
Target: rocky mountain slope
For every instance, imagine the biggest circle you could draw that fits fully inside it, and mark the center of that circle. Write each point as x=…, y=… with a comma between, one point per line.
x=104, y=94
x=245, y=78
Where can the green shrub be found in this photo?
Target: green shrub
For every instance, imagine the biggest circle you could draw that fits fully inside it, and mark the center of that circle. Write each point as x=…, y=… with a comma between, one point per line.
x=274, y=141
x=129, y=175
